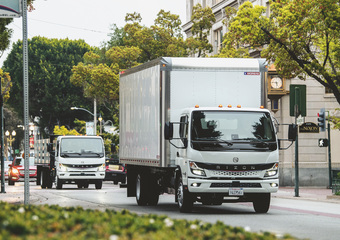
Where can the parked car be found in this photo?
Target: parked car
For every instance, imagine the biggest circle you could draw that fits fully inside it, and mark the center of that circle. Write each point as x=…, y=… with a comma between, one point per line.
x=115, y=171
x=6, y=167
x=16, y=171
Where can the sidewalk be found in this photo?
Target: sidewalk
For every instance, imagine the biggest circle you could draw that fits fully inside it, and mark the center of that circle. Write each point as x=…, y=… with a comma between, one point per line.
x=305, y=193
x=308, y=193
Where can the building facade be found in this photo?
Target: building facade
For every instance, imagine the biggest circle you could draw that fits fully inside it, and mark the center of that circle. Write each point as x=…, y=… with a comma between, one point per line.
x=314, y=164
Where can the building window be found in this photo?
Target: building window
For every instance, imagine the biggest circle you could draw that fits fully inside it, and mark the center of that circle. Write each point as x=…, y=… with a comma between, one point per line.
x=218, y=40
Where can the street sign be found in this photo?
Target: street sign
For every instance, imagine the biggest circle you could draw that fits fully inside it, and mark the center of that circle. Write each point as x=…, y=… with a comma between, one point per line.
x=323, y=142
x=297, y=96
x=309, y=127
x=10, y=8
x=300, y=120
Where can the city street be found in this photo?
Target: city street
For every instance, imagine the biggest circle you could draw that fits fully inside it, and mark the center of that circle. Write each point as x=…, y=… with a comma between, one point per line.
x=303, y=217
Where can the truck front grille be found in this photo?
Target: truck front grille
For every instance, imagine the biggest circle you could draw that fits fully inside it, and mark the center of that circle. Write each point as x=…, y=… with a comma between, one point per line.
x=216, y=173
x=81, y=174
x=230, y=185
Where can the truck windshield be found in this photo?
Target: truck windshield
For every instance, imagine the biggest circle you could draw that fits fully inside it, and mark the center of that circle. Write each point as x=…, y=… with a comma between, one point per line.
x=213, y=131
x=82, y=147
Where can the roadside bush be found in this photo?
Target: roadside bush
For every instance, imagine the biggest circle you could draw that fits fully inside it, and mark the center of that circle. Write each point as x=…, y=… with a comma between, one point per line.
x=70, y=223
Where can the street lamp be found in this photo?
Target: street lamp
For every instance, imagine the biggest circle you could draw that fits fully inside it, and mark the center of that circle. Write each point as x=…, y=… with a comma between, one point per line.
x=93, y=114
x=10, y=139
x=100, y=123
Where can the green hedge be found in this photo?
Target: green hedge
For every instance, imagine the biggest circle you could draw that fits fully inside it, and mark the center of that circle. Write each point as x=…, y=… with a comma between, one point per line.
x=54, y=222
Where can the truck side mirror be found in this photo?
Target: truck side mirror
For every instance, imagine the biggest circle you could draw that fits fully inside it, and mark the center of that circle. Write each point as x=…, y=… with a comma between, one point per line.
x=168, y=130
x=292, y=132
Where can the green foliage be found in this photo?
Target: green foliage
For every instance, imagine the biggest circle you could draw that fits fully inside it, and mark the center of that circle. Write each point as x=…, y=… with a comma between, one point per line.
x=6, y=85
x=300, y=36
x=98, y=74
x=54, y=222
x=202, y=20
x=164, y=38
x=51, y=93
x=64, y=131
x=335, y=120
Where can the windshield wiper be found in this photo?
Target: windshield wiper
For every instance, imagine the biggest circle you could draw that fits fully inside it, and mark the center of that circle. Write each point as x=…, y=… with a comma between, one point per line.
x=68, y=154
x=254, y=140
x=214, y=140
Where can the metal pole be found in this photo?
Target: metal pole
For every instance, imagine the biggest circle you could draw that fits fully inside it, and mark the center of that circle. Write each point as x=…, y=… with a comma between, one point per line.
x=297, y=100
x=329, y=154
x=2, y=142
x=95, y=116
x=26, y=106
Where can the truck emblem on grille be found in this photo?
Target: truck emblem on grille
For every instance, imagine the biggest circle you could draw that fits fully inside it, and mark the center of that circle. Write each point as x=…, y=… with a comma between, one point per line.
x=235, y=159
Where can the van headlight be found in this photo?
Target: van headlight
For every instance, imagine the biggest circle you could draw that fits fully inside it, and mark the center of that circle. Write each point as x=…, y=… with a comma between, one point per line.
x=196, y=170
x=272, y=171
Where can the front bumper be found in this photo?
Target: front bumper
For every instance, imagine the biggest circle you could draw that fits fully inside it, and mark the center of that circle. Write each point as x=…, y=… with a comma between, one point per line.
x=21, y=178
x=115, y=176
x=81, y=175
x=197, y=185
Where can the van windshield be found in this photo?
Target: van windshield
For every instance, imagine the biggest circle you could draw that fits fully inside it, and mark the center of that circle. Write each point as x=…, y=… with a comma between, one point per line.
x=82, y=147
x=213, y=130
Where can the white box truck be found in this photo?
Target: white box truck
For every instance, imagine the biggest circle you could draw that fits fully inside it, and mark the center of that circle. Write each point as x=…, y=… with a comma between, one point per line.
x=70, y=160
x=198, y=127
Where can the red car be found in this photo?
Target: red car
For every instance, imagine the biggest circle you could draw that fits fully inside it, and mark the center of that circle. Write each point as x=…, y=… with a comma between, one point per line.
x=16, y=171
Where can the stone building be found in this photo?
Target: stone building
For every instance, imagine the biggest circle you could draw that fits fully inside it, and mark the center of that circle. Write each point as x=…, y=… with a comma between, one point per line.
x=313, y=161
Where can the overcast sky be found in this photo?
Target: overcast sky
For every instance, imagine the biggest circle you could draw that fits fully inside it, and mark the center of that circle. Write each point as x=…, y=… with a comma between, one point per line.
x=88, y=19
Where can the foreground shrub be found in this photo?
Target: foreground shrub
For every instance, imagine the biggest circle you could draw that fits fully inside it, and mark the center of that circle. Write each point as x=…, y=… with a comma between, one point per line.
x=54, y=222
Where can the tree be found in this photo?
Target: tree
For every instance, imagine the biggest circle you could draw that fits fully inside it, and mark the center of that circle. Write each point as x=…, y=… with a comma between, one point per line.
x=98, y=80
x=64, y=131
x=6, y=85
x=301, y=37
x=51, y=93
x=6, y=33
x=202, y=20
x=164, y=38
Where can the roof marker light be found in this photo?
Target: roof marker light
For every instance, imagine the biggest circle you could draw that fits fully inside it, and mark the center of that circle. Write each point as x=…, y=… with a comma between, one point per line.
x=197, y=106
x=220, y=106
x=229, y=106
x=262, y=107
x=238, y=106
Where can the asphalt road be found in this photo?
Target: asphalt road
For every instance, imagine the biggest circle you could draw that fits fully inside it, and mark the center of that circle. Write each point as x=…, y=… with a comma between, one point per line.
x=300, y=217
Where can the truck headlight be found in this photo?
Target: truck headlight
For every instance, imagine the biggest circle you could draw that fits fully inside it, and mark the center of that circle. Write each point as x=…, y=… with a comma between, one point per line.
x=62, y=167
x=272, y=171
x=102, y=167
x=196, y=170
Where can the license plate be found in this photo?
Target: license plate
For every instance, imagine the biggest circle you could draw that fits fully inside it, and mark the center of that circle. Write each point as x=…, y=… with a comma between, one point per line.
x=236, y=192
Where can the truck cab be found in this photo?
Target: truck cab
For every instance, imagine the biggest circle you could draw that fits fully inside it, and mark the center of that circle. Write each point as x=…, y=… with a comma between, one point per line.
x=224, y=153
x=79, y=160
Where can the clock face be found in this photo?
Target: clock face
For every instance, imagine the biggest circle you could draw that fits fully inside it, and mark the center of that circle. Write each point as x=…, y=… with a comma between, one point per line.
x=276, y=82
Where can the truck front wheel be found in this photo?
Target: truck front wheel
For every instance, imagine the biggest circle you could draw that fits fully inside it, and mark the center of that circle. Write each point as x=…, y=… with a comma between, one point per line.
x=58, y=183
x=261, y=202
x=184, y=199
x=98, y=184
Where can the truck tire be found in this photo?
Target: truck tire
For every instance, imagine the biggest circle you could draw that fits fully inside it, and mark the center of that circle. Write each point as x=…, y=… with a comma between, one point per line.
x=261, y=202
x=49, y=182
x=141, y=190
x=184, y=199
x=58, y=183
x=98, y=184
x=153, y=192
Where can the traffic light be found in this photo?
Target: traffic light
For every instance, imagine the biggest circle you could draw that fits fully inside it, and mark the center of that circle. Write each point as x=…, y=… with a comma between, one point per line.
x=322, y=119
